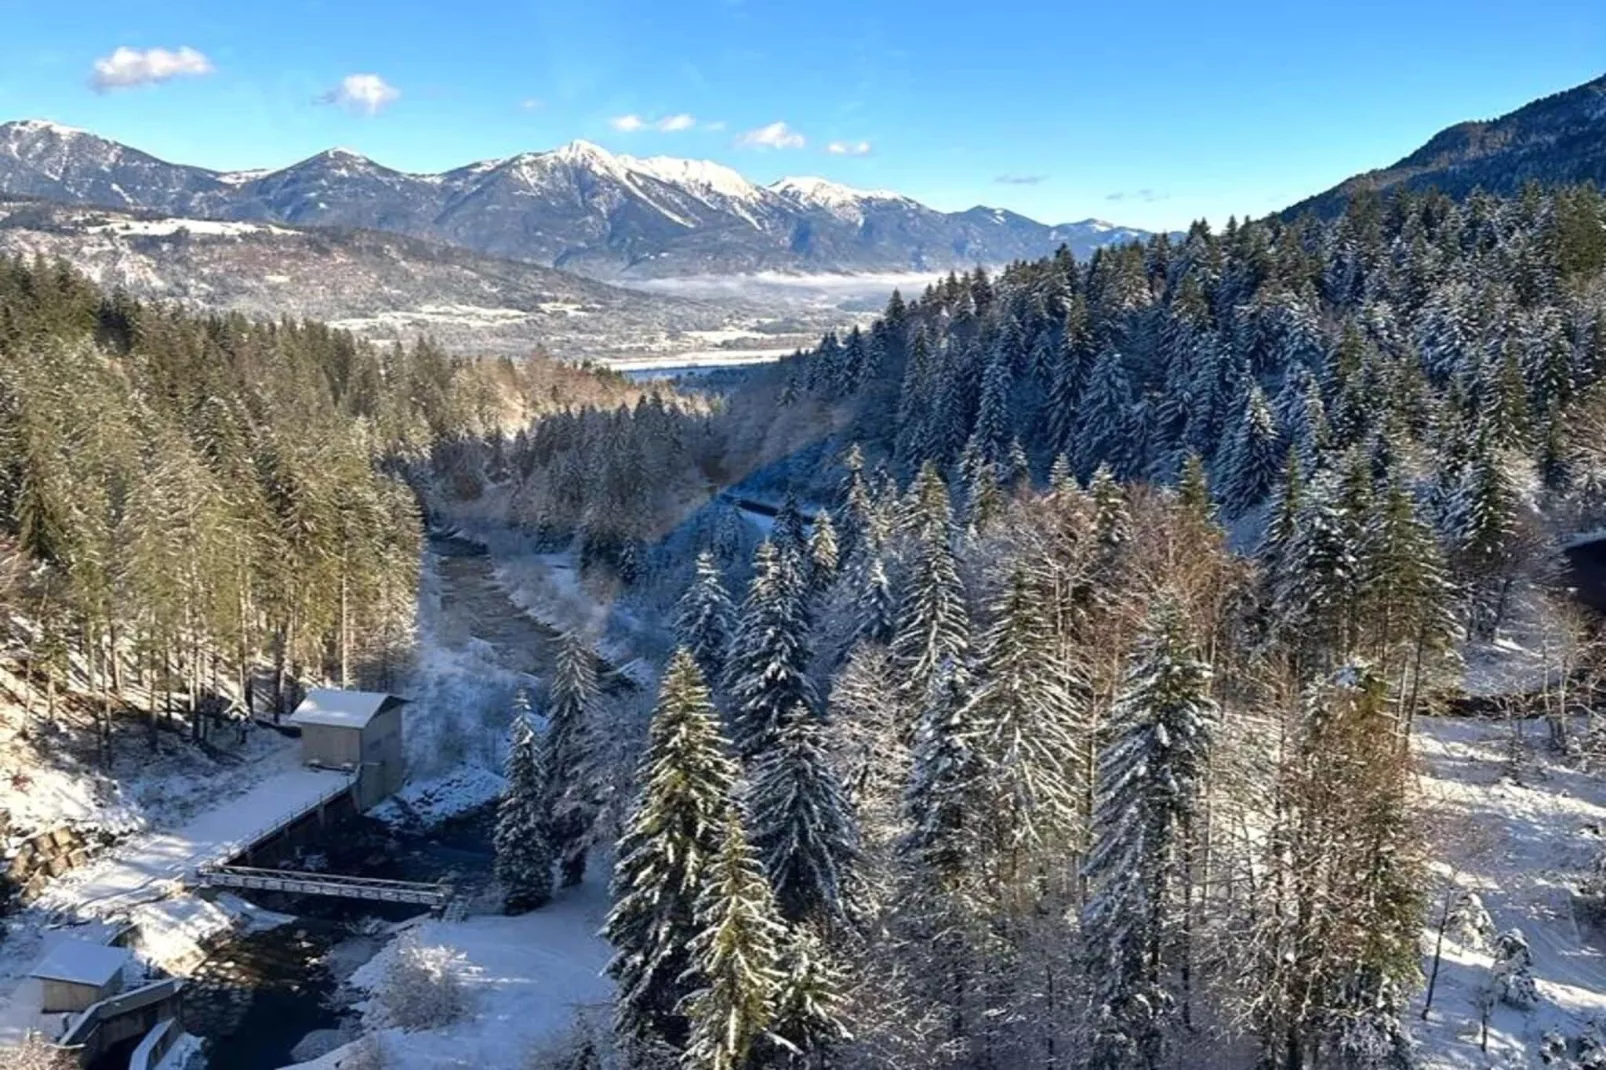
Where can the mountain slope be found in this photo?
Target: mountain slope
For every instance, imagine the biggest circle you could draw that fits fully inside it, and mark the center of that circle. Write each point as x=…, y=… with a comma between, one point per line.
x=578, y=207
x=1558, y=139
x=382, y=286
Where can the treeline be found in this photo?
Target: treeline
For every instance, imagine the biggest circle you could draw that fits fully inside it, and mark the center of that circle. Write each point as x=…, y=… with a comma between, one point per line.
x=204, y=505
x=1076, y=731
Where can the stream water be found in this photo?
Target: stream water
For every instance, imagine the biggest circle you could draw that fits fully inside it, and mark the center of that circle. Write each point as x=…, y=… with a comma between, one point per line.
x=254, y=999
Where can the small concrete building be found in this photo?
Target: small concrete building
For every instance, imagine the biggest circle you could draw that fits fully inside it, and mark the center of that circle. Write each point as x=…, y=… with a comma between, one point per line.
x=77, y=974
x=360, y=731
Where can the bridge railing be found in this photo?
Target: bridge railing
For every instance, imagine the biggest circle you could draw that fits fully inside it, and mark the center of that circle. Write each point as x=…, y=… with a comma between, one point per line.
x=87, y=1024
x=331, y=884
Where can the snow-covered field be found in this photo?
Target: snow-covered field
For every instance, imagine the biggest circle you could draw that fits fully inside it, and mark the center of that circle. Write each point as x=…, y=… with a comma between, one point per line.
x=1522, y=844
x=527, y=979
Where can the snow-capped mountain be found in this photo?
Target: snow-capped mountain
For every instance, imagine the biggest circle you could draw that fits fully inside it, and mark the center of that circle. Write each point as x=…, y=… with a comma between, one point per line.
x=578, y=207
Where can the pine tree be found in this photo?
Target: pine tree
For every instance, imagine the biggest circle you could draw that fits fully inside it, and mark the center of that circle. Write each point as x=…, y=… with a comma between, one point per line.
x=704, y=618
x=946, y=780
x=1254, y=458
x=824, y=555
x=1145, y=808
x=766, y=674
x=933, y=624
x=737, y=958
x=812, y=999
x=875, y=607
x=524, y=854
x=992, y=431
x=1107, y=420
x=801, y=824
x=1027, y=715
x=790, y=532
x=566, y=752
x=665, y=857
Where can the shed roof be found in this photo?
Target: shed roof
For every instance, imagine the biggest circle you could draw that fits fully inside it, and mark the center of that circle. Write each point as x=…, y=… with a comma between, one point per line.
x=341, y=709
x=79, y=962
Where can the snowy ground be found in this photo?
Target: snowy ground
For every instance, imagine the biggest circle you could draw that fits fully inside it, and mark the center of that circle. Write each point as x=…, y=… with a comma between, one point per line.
x=528, y=977
x=1522, y=844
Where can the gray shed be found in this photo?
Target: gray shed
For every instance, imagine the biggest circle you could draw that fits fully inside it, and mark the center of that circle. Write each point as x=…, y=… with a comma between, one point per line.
x=356, y=730
x=77, y=974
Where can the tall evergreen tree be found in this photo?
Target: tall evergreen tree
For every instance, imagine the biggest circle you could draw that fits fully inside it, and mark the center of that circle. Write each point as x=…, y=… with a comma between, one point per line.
x=704, y=618
x=524, y=854
x=665, y=857
x=737, y=955
x=766, y=675
x=1150, y=777
x=802, y=825
x=933, y=624
x=566, y=754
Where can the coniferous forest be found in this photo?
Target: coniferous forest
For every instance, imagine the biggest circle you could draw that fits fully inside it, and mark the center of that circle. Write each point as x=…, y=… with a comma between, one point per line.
x=1074, y=726
x=1062, y=715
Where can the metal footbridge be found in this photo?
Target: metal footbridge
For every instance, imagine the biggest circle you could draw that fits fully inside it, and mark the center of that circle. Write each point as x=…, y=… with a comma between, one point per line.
x=435, y=896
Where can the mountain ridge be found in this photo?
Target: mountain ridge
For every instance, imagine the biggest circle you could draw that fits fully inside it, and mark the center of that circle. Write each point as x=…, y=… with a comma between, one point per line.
x=1560, y=138
x=577, y=207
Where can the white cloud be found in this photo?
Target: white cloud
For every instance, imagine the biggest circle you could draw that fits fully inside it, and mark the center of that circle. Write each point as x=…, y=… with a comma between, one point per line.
x=776, y=135
x=716, y=125
x=365, y=93
x=532, y=104
x=129, y=67
x=848, y=148
x=669, y=124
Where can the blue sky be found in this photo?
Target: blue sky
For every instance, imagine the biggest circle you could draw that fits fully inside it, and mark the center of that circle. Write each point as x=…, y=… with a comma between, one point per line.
x=1150, y=114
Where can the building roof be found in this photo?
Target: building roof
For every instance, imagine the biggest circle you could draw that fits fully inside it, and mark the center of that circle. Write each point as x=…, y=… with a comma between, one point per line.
x=341, y=709
x=79, y=962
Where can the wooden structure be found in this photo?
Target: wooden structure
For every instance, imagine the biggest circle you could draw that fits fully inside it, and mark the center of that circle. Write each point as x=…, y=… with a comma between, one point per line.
x=76, y=974
x=373, y=889
x=358, y=731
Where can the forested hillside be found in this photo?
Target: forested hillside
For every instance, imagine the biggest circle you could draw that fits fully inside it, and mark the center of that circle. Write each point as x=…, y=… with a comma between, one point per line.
x=1076, y=728
x=194, y=508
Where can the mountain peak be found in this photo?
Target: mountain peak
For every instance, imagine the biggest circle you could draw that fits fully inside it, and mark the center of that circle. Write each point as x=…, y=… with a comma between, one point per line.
x=824, y=193
x=580, y=151
x=44, y=126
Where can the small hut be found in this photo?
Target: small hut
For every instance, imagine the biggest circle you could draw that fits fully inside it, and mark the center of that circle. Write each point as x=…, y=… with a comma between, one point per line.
x=360, y=731
x=76, y=974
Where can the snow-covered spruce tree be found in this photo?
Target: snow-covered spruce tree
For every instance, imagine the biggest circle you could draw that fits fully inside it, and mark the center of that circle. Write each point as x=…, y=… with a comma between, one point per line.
x=665, y=857
x=1250, y=469
x=705, y=618
x=568, y=801
x=1147, y=792
x=875, y=607
x=1106, y=431
x=933, y=625
x=824, y=555
x=524, y=851
x=766, y=673
x=811, y=1003
x=992, y=432
x=1112, y=516
x=947, y=780
x=790, y=532
x=1070, y=376
x=802, y=825
x=736, y=957
x=1027, y=720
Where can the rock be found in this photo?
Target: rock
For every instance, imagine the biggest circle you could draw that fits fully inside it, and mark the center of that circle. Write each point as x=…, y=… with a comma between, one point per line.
x=317, y=1043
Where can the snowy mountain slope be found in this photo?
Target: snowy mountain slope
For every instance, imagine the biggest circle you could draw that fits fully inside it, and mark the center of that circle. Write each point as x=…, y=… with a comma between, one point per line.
x=578, y=207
